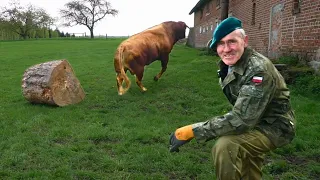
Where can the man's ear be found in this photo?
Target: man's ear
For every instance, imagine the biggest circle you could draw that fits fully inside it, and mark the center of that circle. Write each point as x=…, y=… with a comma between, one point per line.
x=246, y=39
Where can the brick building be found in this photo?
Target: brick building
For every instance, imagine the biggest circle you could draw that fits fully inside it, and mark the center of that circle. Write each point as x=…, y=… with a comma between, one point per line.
x=275, y=27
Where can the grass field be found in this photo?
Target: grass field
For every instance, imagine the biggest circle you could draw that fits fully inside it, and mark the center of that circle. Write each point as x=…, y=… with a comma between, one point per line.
x=107, y=136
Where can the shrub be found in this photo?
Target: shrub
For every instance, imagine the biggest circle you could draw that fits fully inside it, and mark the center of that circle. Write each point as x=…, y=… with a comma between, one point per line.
x=207, y=52
x=289, y=60
x=277, y=167
x=307, y=85
x=301, y=76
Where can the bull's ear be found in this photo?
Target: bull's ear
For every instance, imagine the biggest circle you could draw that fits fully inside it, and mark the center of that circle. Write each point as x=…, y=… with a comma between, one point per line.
x=183, y=24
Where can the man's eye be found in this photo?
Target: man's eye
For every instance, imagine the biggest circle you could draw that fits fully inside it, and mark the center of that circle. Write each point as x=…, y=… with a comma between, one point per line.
x=220, y=43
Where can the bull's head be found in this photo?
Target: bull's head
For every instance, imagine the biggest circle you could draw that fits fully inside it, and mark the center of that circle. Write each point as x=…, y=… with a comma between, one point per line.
x=180, y=30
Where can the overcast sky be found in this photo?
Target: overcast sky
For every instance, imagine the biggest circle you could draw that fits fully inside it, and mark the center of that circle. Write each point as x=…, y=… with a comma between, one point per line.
x=134, y=15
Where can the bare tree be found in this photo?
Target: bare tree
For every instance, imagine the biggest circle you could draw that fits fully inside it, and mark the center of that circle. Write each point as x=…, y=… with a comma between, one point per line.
x=86, y=12
x=23, y=20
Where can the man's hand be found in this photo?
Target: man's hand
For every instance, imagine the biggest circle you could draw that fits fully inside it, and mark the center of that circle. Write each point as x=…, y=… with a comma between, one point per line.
x=175, y=143
x=180, y=137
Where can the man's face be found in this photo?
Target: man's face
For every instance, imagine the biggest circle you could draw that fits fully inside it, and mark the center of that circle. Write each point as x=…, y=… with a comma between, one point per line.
x=231, y=47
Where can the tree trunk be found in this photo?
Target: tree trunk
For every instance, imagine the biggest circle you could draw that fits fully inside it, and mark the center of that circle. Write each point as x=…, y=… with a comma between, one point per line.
x=24, y=36
x=91, y=33
x=52, y=83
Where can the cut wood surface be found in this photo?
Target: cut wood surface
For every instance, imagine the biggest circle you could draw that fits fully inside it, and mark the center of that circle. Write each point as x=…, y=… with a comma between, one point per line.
x=52, y=83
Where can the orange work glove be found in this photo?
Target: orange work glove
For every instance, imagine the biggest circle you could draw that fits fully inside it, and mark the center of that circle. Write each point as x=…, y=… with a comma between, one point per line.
x=180, y=137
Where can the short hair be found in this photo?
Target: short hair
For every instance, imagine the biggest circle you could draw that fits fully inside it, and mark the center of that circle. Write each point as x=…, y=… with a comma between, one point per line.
x=242, y=32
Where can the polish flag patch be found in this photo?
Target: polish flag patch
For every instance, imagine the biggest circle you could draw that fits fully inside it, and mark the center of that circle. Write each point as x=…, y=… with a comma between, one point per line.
x=257, y=79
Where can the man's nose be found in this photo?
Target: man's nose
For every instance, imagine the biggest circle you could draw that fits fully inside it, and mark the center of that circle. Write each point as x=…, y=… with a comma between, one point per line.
x=226, y=47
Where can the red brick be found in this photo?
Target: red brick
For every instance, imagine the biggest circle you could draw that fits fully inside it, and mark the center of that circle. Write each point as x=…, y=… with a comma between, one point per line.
x=299, y=32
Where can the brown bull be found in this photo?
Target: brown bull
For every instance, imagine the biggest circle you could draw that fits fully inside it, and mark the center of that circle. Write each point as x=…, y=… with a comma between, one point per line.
x=144, y=48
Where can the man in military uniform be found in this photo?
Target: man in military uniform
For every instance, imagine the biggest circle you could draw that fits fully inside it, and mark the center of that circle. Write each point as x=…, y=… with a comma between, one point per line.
x=261, y=118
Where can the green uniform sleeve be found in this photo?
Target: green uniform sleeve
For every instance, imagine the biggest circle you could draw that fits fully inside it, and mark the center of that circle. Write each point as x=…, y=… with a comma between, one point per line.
x=252, y=100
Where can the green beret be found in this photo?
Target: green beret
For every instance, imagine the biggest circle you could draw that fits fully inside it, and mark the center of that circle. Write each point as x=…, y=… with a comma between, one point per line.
x=224, y=28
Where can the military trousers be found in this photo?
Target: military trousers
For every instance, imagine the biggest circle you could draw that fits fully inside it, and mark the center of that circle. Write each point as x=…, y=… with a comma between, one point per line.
x=240, y=157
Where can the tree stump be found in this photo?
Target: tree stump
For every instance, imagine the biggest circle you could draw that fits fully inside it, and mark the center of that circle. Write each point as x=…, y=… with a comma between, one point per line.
x=52, y=83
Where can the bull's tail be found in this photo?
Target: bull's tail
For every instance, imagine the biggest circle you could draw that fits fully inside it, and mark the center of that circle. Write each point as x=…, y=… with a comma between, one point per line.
x=121, y=74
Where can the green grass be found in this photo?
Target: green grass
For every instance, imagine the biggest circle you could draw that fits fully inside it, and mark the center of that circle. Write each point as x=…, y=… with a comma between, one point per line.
x=107, y=136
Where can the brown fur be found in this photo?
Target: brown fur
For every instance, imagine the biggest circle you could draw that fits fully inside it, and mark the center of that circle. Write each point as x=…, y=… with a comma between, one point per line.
x=144, y=48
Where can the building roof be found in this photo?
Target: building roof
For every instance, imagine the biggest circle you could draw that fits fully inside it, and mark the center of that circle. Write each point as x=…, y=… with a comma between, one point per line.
x=198, y=6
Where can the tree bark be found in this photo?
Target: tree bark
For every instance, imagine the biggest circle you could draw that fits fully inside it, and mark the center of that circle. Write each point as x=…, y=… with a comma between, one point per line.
x=52, y=83
x=91, y=33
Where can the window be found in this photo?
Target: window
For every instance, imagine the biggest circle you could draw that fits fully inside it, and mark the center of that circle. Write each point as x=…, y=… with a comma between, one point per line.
x=253, y=16
x=201, y=13
x=218, y=4
x=200, y=30
x=296, y=6
x=207, y=9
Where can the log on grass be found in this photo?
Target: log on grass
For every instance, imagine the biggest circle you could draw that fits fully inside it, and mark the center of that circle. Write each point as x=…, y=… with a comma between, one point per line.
x=52, y=83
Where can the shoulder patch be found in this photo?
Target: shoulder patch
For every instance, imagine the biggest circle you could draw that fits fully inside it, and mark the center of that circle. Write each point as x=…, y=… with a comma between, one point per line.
x=257, y=79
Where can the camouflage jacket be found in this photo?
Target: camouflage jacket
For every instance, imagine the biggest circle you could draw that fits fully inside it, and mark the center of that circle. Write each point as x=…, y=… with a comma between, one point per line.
x=260, y=99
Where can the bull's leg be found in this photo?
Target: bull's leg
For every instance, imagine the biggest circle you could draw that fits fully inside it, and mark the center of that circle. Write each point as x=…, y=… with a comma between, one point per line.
x=139, y=76
x=120, y=79
x=119, y=84
x=164, y=63
x=127, y=81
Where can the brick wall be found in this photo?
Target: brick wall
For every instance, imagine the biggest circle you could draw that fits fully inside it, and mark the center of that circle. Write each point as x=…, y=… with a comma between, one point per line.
x=298, y=33
x=207, y=20
x=301, y=32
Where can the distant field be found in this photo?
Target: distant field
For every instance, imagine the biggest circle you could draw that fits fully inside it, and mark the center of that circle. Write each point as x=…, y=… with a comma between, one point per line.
x=126, y=137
